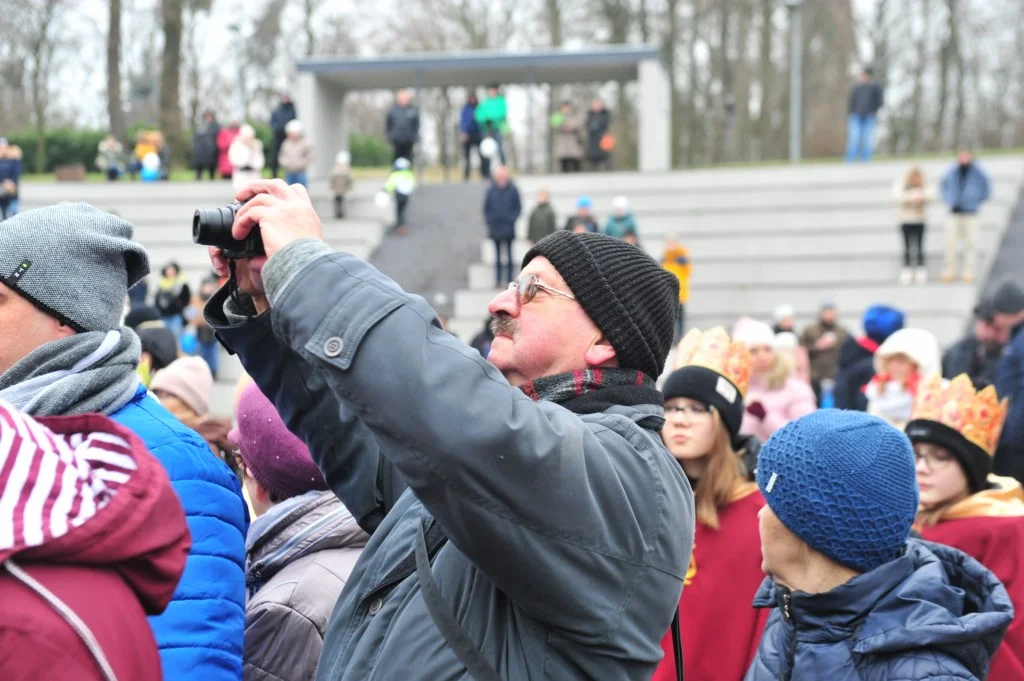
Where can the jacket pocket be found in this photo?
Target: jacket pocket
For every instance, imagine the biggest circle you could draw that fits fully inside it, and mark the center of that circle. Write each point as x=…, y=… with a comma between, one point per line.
x=339, y=335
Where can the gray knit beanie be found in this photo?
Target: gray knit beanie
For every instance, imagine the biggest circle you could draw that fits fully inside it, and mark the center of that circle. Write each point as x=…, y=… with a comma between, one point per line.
x=72, y=261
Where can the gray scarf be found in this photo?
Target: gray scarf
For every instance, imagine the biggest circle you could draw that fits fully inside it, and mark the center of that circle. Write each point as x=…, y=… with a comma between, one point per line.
x=84, y=373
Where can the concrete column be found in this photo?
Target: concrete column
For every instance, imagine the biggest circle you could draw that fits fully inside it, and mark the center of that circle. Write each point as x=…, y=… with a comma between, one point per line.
x=655, y=116
x=320, y=107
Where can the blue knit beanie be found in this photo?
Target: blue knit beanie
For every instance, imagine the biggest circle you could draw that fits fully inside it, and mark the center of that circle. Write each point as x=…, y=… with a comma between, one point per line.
x=882, y=321
x=844, y=482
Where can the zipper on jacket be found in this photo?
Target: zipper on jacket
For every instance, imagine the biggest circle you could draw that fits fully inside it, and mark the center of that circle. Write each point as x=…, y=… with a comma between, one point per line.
x=254, y=578
x=787, y=616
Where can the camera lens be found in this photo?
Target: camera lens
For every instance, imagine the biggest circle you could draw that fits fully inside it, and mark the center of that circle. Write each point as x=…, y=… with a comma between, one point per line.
x=212, y=226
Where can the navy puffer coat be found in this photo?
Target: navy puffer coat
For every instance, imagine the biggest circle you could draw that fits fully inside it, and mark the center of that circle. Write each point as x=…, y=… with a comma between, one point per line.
x=933, y=614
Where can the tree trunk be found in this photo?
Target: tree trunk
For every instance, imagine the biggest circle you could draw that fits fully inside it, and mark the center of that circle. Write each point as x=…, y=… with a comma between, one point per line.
x=739, y=142
x=923, y=61
x=961, y=75
x=115, y=113
x=553, y=19
x=945, y=57
x=39, y=104
x=766, y=80
x=669, y=45
x=310, y=7
x=726, y=99
x=170, y=76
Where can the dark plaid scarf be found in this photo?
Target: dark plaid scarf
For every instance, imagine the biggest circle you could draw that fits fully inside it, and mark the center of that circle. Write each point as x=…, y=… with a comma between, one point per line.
x=595, y=390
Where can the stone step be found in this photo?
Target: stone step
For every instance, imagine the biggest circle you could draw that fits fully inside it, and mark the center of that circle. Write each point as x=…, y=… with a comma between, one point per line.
x=805, y=175
x=782, y=222
x=360, y=230
x=732, y=301
x=757, y=202
x=190, y=256
x=767, y=246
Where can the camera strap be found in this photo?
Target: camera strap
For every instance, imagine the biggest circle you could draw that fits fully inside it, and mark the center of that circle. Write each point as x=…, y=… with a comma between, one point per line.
x=234, y=290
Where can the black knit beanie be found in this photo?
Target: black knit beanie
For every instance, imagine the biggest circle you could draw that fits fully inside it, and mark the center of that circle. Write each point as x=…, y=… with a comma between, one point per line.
x=711, y=388
x=631, y=298
x=974, y=461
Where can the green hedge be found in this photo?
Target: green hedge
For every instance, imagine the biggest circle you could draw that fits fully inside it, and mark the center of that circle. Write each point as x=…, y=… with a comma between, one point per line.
x=64, y=146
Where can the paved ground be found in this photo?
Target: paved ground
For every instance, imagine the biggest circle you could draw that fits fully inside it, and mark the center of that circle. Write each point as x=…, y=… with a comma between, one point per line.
x=445, y=228
x=1007, y=263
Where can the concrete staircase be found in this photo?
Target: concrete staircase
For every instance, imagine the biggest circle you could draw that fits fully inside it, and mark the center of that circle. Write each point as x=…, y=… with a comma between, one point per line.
x=760, y=237
x=162, y=215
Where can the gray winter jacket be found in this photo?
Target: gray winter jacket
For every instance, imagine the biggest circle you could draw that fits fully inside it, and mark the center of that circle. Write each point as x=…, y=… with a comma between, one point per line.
x=298, y=558
x=569, y=535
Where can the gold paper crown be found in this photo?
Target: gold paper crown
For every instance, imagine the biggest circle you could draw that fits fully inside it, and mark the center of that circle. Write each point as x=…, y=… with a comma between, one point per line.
x=978, y=416
x=716, y=351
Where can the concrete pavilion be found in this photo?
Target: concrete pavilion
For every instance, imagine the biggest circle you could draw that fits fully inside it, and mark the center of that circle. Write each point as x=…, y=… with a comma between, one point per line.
x=324, y=82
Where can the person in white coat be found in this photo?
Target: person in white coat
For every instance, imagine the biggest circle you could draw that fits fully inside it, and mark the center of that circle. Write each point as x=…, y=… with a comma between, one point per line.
x=246, y=157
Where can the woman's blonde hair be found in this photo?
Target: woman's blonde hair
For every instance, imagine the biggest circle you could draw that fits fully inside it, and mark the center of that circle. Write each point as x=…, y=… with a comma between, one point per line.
x=914, y=177
x=725, y=469
x=782, y=368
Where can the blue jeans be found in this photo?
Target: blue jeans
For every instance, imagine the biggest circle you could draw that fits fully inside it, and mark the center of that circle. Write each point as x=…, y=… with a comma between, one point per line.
x=176, y=324
x=10, y=210
x=210, y=352
x=296, y=178
x=860, y=138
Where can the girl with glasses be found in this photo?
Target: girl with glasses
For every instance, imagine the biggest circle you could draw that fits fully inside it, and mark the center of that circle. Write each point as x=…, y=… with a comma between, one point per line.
x=955, y=431
x=703, y=412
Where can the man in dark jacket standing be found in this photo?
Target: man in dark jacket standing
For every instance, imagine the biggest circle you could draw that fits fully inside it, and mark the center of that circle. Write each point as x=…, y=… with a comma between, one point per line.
x=977, y=354
x=204, y=146
x=1008, y=306
x=570, y=524
x=284, y=112
x=599, y=122
x=865, y=101
x=403, y=126
x=857, y=356
x=823, y=341
x=852, y=598
x=502, y=207
x=542, y=218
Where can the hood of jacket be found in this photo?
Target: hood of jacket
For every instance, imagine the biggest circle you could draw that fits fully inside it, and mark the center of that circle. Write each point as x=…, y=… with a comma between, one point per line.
x=917, y=344
x=932, y=599
x=311, y=522
x=92, y=495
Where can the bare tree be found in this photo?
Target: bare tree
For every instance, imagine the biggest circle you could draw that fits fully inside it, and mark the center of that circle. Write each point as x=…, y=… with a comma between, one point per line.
x=115, y=110
x=40, y=24
x=171, y=13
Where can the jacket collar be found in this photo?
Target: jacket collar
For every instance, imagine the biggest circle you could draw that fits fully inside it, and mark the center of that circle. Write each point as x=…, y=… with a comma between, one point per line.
x=315, y=521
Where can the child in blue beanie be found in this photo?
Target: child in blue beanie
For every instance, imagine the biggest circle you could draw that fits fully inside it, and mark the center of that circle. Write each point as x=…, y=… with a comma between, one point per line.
x=871, y=604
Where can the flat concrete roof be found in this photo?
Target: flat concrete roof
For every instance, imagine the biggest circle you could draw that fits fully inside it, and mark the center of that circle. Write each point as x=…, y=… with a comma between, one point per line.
x=480, y=67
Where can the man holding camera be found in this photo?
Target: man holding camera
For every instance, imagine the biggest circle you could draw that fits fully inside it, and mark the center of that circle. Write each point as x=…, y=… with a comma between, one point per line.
x=65, y=271
x=526, y=520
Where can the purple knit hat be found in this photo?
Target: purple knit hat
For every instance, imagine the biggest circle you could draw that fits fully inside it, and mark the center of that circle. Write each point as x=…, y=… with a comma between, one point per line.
x=276, y=459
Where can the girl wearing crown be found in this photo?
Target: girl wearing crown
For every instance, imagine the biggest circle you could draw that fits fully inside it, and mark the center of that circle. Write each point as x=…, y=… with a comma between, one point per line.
x=955, y=431
x=703, y=411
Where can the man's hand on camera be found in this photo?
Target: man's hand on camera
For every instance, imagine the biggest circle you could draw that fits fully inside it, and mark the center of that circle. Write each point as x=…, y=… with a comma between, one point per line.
x=283, y=213
x=247, y=274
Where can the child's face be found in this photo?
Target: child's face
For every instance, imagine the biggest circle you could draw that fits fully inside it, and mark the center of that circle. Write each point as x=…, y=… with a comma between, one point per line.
x=900, y=368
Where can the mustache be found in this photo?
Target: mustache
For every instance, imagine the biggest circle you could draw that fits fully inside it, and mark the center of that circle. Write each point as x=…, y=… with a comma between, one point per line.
x=503, y=325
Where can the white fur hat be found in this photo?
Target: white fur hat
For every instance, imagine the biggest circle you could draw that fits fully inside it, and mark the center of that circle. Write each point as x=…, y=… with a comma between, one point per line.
x=246, y=132
x=293, y=127
x=786, y=340
x=783, y=311
x=620, y=204
x=753, y=333
x=343, y=158
x=917, y=344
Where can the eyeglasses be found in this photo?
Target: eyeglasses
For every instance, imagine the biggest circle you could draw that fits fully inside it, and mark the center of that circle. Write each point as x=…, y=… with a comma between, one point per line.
x=688, y=410
x=933, y=461
x=526, y=289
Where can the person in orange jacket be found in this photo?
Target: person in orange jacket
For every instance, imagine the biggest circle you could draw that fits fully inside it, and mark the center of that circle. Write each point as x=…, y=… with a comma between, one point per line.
x=676, y=259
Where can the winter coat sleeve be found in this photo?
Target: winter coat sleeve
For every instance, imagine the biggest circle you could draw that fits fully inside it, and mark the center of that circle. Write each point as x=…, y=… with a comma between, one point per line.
x=949, y=186
x=517, y=204
x=490, y=207
x=495, y=468
x=280, y=644
x=346, y=451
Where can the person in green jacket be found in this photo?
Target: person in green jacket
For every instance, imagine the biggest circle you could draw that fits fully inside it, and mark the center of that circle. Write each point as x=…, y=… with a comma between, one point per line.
x=491, y=115
x=622, y=224
x=401, y=183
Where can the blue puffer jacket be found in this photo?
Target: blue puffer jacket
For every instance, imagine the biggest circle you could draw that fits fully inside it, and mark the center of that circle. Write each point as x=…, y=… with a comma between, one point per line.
x=200, y=634
x=935, y=613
